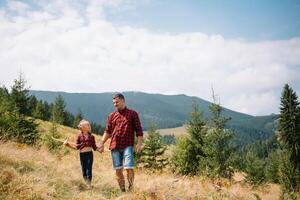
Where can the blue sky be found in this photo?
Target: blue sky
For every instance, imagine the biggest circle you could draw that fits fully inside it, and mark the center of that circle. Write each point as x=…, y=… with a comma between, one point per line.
x=246, y=50
x=251, y=20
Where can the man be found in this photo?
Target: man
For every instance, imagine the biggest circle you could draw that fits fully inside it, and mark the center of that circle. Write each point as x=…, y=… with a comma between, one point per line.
x=120, y=127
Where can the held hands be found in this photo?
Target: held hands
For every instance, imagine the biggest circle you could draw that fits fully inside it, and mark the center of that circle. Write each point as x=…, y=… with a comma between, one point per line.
x=101, y=147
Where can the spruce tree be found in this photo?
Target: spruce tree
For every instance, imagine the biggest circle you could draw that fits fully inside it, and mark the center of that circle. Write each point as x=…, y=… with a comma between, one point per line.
x=20, y=95
x=218, y=148
x=7, y=114
x=289, y=176
x=197, y=129
x=51, y=144
x=14, y=125
x=153, y=152
x=40, y=110
x=289, y=139
x=97, y=128
x=32, y=102
x=58, y=110
x=254, y=168
x=68, y=119
x=188, y=151
x=48, y=110
x=272, y=166
x=289, y=124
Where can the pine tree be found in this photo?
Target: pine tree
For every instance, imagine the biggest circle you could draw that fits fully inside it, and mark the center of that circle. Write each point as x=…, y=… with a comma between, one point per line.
x=197, y=129
x=289, y=124
x=188, y=151
x=7, y=113
x=153, y=152
x=254, y=168
x=32, y=102
x=218, y=148
x=51, y=144
x=20, y=95
x=40, y=110
x=289, y=176
x=97, y=128
x=289, y=139
x=27, y=130
x=48, y=110
x=272, y=166
x=14, y=125
x=68, y=119
x=58, y=110
x=181, y=162
x=4, y=92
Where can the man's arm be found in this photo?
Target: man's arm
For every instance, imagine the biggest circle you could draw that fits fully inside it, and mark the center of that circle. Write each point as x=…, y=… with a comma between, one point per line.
x=139, y=133
x=102, y=142
x=106, y=135
x=139, y=144
x=104, y=138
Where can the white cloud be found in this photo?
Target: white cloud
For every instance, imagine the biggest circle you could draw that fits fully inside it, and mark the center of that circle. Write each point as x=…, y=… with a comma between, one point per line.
x=73, y=47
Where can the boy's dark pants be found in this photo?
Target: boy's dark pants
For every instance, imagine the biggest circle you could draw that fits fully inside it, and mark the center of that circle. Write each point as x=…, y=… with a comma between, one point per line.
x=86, y=161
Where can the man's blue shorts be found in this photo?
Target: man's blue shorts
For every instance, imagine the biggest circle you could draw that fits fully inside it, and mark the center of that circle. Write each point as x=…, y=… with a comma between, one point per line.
x=123, y=158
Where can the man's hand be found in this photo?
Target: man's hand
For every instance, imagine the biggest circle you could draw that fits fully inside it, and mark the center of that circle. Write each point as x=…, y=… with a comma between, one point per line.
x=139, y=145
x=102, y=142
x=139, y=148
x=101, y=147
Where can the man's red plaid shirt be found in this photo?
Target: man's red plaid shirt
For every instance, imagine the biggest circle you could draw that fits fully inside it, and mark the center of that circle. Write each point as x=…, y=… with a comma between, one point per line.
x=121, y=126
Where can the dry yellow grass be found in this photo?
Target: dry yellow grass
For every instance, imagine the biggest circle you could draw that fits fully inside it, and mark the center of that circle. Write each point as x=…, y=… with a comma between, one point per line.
x=177, y=131
x=35, y=173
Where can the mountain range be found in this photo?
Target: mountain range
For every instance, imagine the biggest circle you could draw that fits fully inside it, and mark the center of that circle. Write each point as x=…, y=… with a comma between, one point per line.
x=166, y=111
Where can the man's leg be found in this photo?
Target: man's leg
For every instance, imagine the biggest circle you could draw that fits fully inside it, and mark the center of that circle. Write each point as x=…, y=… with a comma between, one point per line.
x=129, y=165
x=117, y=158
x=130, y=178
x=120, y=179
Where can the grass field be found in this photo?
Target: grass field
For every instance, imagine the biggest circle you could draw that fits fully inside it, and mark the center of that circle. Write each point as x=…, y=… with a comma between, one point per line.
x=173, y=131
x=177, y=131
x=35, y=173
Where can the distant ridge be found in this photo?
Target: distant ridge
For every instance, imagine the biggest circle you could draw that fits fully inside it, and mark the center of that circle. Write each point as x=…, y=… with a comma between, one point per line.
x=166, y=111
